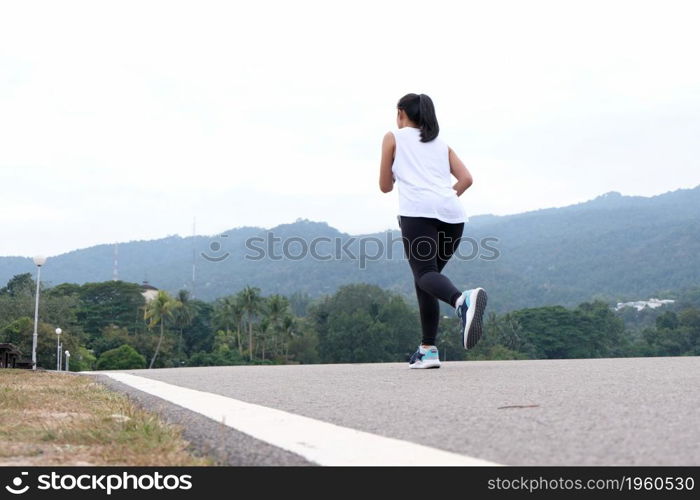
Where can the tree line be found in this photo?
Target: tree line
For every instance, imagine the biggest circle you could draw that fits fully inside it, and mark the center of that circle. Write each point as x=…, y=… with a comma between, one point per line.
x=111, y=325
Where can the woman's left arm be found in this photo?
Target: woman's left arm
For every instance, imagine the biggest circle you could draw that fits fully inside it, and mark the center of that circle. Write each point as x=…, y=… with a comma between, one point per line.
x=386, y=177
x=460, y=172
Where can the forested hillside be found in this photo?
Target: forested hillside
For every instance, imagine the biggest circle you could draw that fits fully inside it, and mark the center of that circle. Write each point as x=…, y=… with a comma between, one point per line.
x=613, y=248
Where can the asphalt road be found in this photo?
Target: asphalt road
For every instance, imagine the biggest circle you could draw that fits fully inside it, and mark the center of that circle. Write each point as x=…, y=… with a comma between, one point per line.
x=640, y=411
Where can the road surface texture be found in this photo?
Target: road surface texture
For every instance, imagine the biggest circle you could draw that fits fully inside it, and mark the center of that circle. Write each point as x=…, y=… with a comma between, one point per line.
x=635, y=411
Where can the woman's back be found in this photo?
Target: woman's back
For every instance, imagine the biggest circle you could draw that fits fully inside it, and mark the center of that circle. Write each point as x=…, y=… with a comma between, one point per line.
x=422, y=173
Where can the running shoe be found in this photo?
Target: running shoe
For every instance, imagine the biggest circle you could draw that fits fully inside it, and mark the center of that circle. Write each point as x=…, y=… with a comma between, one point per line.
x=471, y=314
x=425, y=357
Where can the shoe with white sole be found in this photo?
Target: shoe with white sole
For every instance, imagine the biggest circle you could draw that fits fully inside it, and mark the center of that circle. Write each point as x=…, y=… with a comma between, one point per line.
x=471, y=313
x=425, y=357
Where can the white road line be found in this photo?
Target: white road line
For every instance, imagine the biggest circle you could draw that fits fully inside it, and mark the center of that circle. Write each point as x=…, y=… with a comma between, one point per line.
x=319, y=442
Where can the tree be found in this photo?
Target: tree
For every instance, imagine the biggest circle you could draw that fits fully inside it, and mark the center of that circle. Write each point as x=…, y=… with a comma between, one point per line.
x=251, y=303
x=288, y=332
x=183, y=315
x=19, y=285
x=124, y=357
x=109, y=303
x=299, y=303
x=17, y=298
x=279, y=317
x=18, y=332
x=264, y=333
x=199, y=336
x=589, y=331
x=674, y=335
x=157, y=312
x=84, y=359
x=113, y=336
x=229, y=311
x=303, y=347
x=668, y=319
x=220, y=357
x=363, y=323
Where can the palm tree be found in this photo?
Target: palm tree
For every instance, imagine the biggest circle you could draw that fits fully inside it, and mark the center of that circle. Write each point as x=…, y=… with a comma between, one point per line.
x=264, y=331
x=237, y=314
x=277, y=310
x=251, y=303
x=230, y=311
x=289, y=326
x=219, y=317
x=157, y=311
x=277, y=307
x=222, y=313
x=184, y=313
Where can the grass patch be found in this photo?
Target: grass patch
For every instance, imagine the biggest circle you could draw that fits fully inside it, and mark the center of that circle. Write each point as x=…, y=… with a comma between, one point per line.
x=61, y=419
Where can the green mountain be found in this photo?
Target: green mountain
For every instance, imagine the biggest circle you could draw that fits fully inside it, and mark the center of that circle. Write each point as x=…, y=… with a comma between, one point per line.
x=614, y=247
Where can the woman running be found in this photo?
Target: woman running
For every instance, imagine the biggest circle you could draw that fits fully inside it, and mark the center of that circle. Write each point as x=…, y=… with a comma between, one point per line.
x=431, y=219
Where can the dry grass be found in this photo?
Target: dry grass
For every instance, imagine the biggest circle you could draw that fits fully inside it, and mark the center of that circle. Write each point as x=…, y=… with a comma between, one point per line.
x=60, y=419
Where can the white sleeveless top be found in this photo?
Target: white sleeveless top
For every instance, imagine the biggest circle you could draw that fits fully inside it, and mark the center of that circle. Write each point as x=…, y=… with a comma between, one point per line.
x=422, y=173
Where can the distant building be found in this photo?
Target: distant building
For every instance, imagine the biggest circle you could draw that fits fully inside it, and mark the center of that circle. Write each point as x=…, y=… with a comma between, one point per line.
x=148, y=291
x=9, y=356
x=641, y=304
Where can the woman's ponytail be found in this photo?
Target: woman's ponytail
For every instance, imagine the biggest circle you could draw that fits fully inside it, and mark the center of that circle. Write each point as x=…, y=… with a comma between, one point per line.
x=427, y=121
x=420, y=110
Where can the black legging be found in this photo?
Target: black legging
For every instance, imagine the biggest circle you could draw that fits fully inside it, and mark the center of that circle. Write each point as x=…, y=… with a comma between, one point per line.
x=428, y=245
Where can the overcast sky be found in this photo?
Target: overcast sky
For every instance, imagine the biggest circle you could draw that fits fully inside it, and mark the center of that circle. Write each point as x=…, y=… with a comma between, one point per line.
x=124, y=120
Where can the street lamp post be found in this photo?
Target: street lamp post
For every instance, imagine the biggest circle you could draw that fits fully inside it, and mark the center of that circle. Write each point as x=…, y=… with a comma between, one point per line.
x=58, y=349
x=38, y=261
x=67, y=360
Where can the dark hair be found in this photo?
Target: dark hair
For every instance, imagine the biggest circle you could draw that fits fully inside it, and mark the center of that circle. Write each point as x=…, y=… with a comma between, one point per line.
x=420, y=110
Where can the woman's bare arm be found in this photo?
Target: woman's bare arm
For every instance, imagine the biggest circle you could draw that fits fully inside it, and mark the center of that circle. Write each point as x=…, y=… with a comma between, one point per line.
x=386, y=177
x=457, y=168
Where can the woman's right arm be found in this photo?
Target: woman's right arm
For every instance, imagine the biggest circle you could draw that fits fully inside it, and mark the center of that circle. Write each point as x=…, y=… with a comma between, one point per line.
x=460, y=172
x=386, y=177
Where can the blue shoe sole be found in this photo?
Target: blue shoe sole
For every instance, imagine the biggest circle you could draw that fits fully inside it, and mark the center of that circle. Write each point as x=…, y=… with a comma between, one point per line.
x=473, y=328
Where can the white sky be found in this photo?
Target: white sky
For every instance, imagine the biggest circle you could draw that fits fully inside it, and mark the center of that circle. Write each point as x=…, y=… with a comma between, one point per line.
x=124, y=120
